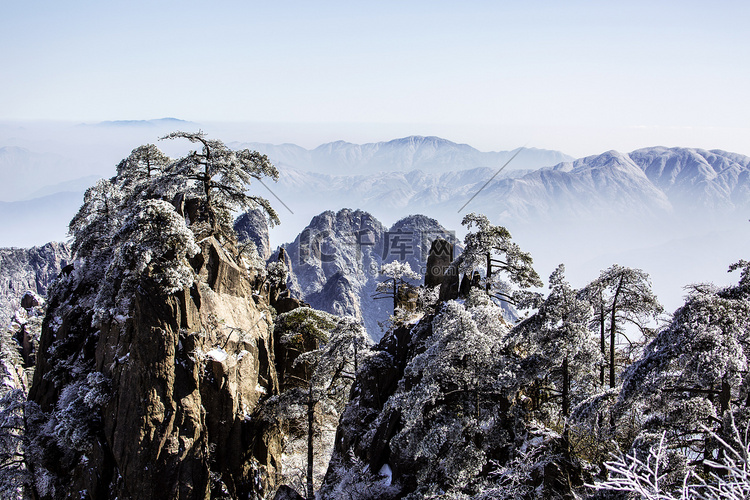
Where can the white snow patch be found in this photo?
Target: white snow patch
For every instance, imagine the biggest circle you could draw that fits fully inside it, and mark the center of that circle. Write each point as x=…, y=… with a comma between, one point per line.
x=387, y=475
x=20, y=317
x=217, y=354
x=414, y=319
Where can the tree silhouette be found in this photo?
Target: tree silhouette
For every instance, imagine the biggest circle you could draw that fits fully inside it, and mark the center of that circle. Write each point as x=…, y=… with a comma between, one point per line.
x=220, y=177
x=620, y=295
x=490, y=246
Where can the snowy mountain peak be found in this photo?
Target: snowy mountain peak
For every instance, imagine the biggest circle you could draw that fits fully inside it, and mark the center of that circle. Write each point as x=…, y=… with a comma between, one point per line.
x=696, y=178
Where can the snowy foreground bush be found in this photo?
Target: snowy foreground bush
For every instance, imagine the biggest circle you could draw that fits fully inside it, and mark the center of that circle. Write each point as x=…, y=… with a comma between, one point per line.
x=729, y=477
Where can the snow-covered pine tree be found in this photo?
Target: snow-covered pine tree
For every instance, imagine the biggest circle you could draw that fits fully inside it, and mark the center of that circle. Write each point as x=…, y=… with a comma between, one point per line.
x=143, y=165
x=96, y=222
x=15, y=478
x=489, y=247
x=324, y=352
x=449, y=427
x=154, y=243
x=220, y=178
x=559, y=347
x=692, y=376
x=397, y=275
x=620, y=295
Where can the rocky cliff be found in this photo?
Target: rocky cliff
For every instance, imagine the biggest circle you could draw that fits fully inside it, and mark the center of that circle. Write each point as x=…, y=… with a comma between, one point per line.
x=335, y=261
x=18, y=343
x=253, y=227
x=161, y=402
x=28, y=269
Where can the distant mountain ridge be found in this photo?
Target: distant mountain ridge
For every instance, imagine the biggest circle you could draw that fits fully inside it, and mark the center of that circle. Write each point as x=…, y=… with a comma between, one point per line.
x=689, y=177
x=435, y=176
x=157, y=122
x=647, y=182
x=28, y=168
x=79, y=185
x=430, y=154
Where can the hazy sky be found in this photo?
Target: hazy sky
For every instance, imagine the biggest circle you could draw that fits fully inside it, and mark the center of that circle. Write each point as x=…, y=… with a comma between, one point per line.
x=581, y=77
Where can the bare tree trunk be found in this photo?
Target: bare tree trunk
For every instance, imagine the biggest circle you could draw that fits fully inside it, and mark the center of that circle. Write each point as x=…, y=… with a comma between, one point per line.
x=566, y=405
x=310, y=416
x=612, y=336
x=725, y=396
x=356, y=344
x=566, y=388
x=603, y=341
x=612, y=357
x=489, y=272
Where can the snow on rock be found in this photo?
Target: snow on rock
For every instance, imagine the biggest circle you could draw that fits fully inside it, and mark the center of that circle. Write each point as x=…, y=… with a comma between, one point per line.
x=23, y=270
x=217, y=354
x=335, y=262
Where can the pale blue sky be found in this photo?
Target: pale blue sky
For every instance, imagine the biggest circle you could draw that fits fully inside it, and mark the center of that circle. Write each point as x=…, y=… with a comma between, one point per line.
x=582, y=77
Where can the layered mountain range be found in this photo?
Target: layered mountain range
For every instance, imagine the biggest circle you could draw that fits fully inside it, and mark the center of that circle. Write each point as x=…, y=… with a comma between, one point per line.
x=429, y=175
x=431, y=154
x=652, y=202
x=651, y=181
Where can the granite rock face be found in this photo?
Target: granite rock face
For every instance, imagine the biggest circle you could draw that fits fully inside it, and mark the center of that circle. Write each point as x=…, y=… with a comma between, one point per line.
x=160, y=403
x=334, y=263
x=28, y=269
x=438, y=262
x=252, y=226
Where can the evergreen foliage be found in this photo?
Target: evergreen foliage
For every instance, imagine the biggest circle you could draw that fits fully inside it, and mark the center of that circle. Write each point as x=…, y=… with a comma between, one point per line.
x=397, y=276
x=137, y=225
x=692, y=376
x=620, y=295
x=144, y=164
x=557, y=342
x=489, y=247
x=220, y=177
x=93, y=227
x=328, y=351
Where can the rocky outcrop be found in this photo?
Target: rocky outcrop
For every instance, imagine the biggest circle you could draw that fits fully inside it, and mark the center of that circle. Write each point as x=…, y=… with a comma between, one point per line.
x=438, y=261
x=26, y=327
x=449, y=287
x=334, y=263
x=252, y=226
x=28, y=269
x=287, y=493
x=163, y=402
